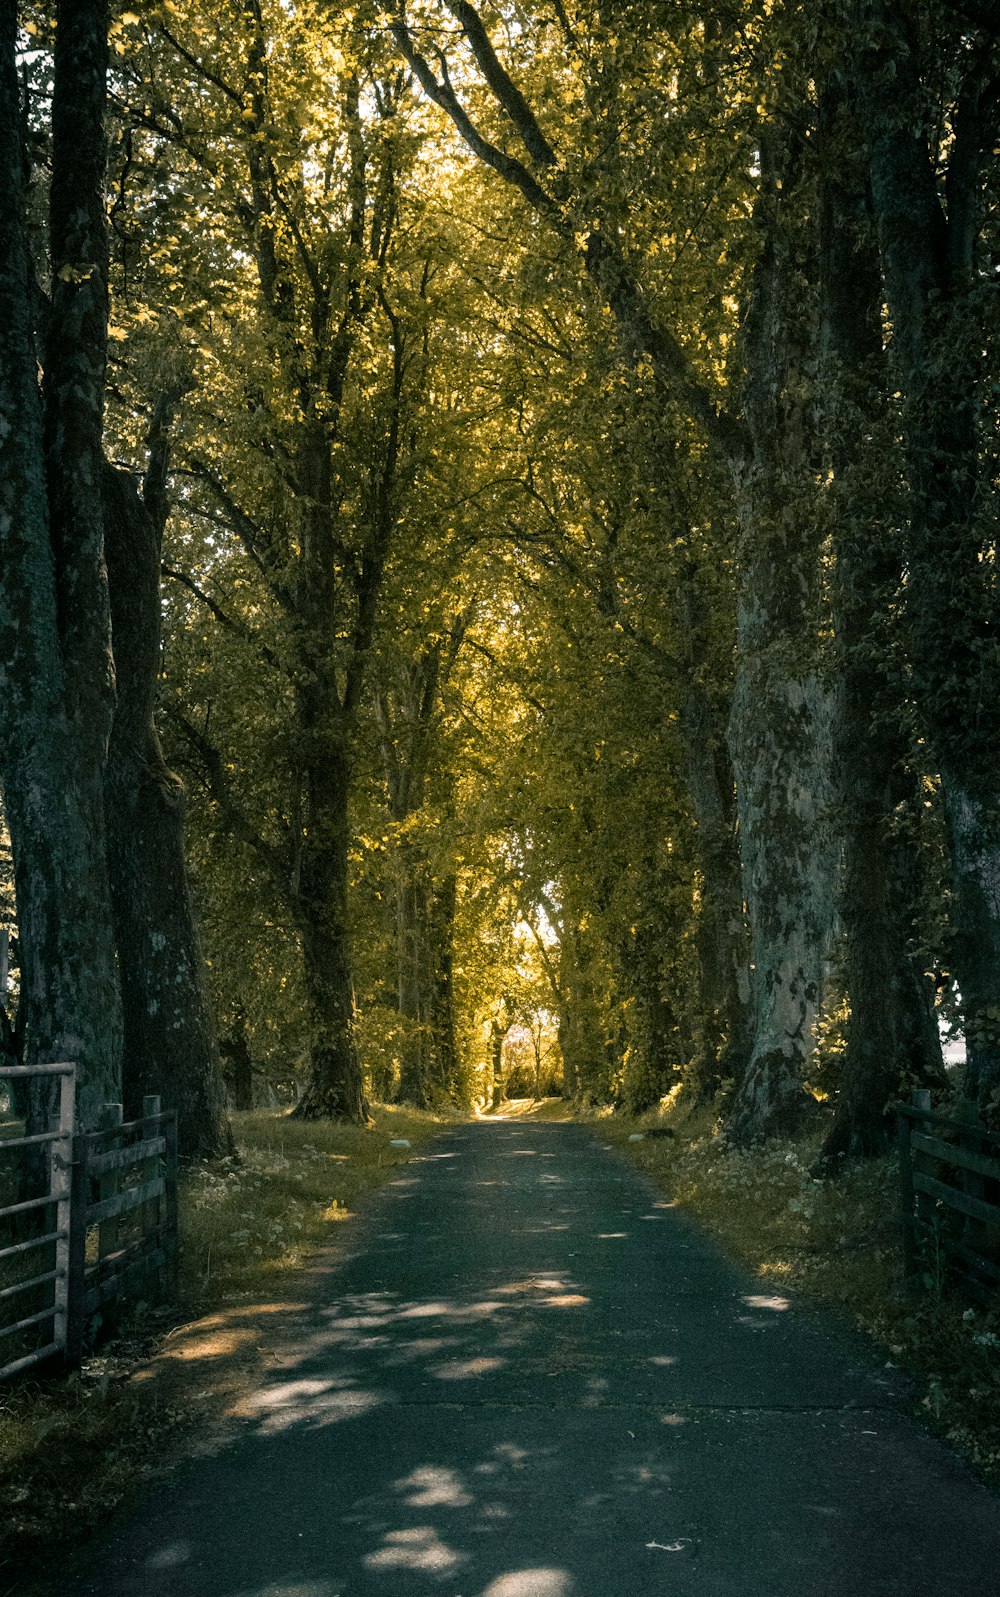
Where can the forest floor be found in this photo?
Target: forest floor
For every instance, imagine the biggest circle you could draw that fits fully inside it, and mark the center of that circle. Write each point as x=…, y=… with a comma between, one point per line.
x=531, y=1376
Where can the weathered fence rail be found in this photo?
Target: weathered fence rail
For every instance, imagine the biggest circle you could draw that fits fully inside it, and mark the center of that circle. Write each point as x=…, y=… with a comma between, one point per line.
x=53, y=1241
x=124, y=1213
x=106, y=1224
x=949, y=1179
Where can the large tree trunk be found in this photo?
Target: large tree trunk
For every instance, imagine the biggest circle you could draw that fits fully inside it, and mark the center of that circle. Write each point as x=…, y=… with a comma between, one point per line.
x=441, y=1009
x=653, y=1060
x=169, y=1040
x=581, y=1025
x=408, y=713
x=336, y=1086
x=54, y=638
x=974, y=832
x=238, y=1074
x=412, y=994
x=425, y=998
x=927, y=263
x=723, y=939
x=892, y=1037
x=782, y=711
x=781, y=740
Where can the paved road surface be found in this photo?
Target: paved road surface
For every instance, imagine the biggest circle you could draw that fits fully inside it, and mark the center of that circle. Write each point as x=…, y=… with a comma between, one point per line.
x=534, y=1379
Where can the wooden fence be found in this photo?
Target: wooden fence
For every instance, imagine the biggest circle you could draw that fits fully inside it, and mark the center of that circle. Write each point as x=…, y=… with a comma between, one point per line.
x=53, y=1240
x=113, y=1192
x=123, y=1214
x=949, y=1178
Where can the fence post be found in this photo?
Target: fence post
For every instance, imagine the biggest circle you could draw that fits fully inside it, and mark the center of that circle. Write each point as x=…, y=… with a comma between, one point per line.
x=76, y=1260
x=169, y=1124
x=906, y=1196
x=109, y=1185
x=151, y=1214
x=921, y=1098
x=60, y=1185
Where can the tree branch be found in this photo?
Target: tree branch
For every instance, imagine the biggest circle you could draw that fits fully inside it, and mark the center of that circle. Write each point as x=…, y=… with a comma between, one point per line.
x=443, y=95
x=602, y=256
x=504, y=88
x=225, y=620
x=274, y=858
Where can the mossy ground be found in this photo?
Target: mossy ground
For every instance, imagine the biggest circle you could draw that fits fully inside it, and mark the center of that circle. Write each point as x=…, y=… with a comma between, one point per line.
x=838, y=1241
x=70, y=1450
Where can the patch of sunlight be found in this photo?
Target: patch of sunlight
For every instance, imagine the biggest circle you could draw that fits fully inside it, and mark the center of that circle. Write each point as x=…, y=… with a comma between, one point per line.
x=468, y=1369
x=760, y=1300
x=418, y=1548
x=310, y=1403
x=531, y=1583
x=434, y=1487
x=565, y=1300
x=611, y=1236
x=336, y=1211
x=663, y=1359
x=211, y=1343
x=533, y=1283
x=672, y=1419
x=425, y=1311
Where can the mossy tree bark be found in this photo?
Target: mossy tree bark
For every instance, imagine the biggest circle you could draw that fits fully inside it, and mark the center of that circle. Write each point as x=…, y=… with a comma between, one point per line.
x=169, y=1037
x=928, y=240
x=409, y=714
x=892, y=1037
x=55, y=642
x=782, y=710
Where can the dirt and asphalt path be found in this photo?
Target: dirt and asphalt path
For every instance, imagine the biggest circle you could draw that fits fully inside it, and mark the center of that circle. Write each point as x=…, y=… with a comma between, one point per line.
x=534, y=1378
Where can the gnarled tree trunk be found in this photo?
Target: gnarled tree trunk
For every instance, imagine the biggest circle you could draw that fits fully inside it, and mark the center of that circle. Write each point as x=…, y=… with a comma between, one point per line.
x=169, y=1041
x=55, y=657
x=892, y=1037
x=782, y=709
x=928, y=265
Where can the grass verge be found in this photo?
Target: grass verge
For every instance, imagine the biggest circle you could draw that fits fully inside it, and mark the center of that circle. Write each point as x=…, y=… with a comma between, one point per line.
x=71, y=1449
x=836, y=1240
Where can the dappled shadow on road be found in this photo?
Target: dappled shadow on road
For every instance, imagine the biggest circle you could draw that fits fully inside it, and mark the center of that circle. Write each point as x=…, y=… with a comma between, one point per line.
x=535, y=1380
x=386, y=1455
